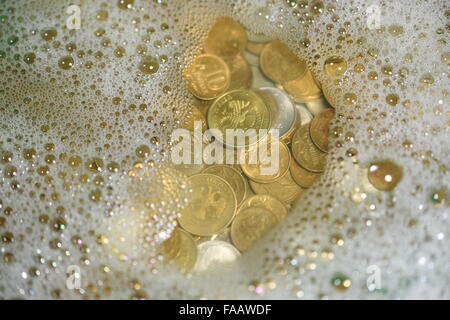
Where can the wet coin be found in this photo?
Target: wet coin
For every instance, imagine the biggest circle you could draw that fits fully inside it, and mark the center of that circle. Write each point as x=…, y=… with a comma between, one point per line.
x=250, y=225
x=275, y=206
x=255, y=47
x=207, y=77
x=284, y=189
x=233, y=177
x=319, y=129
x=305, y=151
x=240, y=73
x=212, y=207
x=280, y=64
x=195, y=115
x=303, y=177
x=239, y=109
x=266, y=169
x=226, y=38
x=181, y=249
x=215, y=253
x=303, y=89
x=286, y=110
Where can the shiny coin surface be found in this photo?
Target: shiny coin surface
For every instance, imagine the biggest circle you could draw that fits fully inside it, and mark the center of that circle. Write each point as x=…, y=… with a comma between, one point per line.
x=319, y=129
x=226, y=38
x=286, y=110
x=193, y=166
x=215, y=253
x=284, y=189
x=207, y=77
x=181, y=249
x=195, y=115
x=303, y=177
x=261, y=171
x=240, y=73
x=233, y=177
x=239, y=109
x=212, y=207
x=303, y=89
x=305, y=151
x=275, y=206
x=250, y=225
x=255, y=47
x=280, y=64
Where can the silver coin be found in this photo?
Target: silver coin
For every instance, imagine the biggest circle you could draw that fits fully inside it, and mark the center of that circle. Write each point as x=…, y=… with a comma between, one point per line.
x=317, y=106
x=286, y=110
x=214, y=253
x=305, y=115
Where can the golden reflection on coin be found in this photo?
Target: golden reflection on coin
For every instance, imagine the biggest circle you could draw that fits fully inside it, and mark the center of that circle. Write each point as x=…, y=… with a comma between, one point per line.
x=241, y=76
x=280, y=64
x=181, y=249
x=305, y=151
x=212, y=206
x=226, y=38
x=275, y=206
x=250, y=225
x=239, y=109
x=195, y=115
x=303, y=89
x=215, y=253
x=255, y=47
x=233, y=177
x=319, y=129
x=303, y=177
x=256, y=171
x=207, y=77
x=191, y=168
x=284, y=189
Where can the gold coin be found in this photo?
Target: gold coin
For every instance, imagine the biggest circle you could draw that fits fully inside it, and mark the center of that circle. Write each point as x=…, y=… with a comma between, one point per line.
x=241, y=76
x=233, y=177
x=319, y=129
x=303, y=89
x=280, y=64
x=212, y=206
x=250, y=225
x=301, y=176
x=271, y=103
x=264, y=201
x=181, y=249
x=284, y=189
x=202, y=105
x=196, y=115
x=255, y=47
x=207, y=77
x=239, y=109
x=254, y=171
x=191, y=168
x=306, y=153
x=226, y=38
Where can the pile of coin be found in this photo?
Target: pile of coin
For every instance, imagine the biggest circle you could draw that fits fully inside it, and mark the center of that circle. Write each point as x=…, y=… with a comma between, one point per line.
x=234, y=205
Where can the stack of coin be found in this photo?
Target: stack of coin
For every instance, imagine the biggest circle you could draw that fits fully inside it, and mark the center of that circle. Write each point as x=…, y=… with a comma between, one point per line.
x=233, y=206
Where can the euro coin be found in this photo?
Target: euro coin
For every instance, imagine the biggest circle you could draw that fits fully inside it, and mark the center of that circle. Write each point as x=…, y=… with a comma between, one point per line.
x=208, y=76
x=264, y=201
x=226, y=38
x=250, y=225
x=284, y=189
x=212, y=206
x=233, y=177
x=240, y=73
x=303, y=89
x=303, y=177
x=239, y=109
x=280, y=64
x=319, y=129
x=305, y=151
x=215, y=253
x=258, y=171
